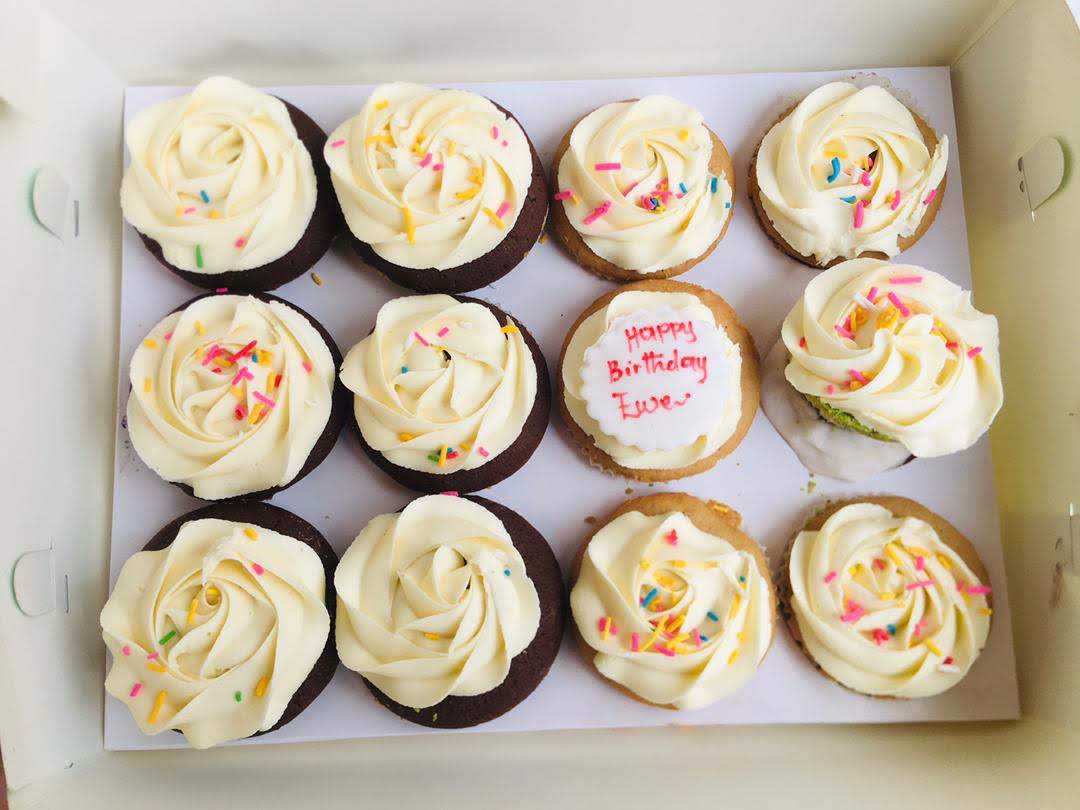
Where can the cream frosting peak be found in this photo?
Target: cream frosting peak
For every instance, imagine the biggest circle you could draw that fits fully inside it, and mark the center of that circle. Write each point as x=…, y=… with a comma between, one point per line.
x=214, y=634
x=430, y=178
x=884, y=606
x=830, y=170
x=434, y=601
x=219, y=178
x=647, y=161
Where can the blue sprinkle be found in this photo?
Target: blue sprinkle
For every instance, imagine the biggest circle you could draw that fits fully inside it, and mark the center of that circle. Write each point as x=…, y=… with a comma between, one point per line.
x=205, y=196
x=742, y=579
x=255, y=357
x=404, y=369
x=649, y=597
x=727, y=205
x=506, y=571
x=891, y=628
x=712, y=185
x=682, y=187
x=703, y=638
x=835, y=169
x=850, y=200
x=713, y=616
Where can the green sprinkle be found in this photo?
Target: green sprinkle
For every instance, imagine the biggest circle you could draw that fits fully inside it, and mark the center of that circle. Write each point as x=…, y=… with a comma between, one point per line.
x=239, y=697
x=433, y=458
x=198, y=255
x=166, y=638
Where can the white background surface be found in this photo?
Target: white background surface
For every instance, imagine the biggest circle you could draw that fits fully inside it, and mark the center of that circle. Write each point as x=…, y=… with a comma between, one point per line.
x=557, y=490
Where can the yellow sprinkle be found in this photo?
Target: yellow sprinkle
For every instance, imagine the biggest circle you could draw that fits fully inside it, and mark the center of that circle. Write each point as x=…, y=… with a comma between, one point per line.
x=155, y=667
x=451, y=149
x=649, y=641
x=833, y=151
x=159, y=701
x=255, y=413
x=476, y=175
x=859, y=316
x=442, y=456
x=741, y=636
x=986, y=611
x=573, y=198
x=734, y=607
x=382, y=104
x=945, y=562
x=889, y=318
x=146, y=386
x=732, y=657
x=260, y=687
x=921, y=552
x=660, y=624
x=466, y=446
x=236, y=392
x=405, y=437
x=684, y=135
x=679, y=563
x=854, y=569
x=191, y=610
x=317, y=279
x=679, y=639
x=150, y=343
x=607, y=627
x=251, y=533
x=892, y=554
x=200, y=328
x=265, y=358
x=854, y=385
x=887, y=596
x=934, y=648
x=645, y=564
x=377, y=139
x=214, y=214
x=494, y=218
x=432, y=636
x=410, y=229
x=675, y=625
x=510, y=329
x=543, y=237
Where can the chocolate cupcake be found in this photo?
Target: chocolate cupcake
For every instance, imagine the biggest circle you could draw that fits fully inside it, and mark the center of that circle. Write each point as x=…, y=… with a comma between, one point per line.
x=235, y=396
x=848, y=173
x=451, y=611
x=878, y=363
x=450, y=394
x=644, y=189
x=223, y=189
x=442, y=191
x=886, y=598
x=220, y=627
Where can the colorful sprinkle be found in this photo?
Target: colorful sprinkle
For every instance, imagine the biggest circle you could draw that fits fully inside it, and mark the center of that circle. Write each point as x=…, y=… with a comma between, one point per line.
x=714, y=184
x=979, y=589
x=649, y=597
x=844, y=332
x=205, y=196
x=672, y=537
x=135, y=690
x=986, y=611
x=191, y=610
x=835, y=170
x=214, y=214
x=258, y=569
x=607, y=167
x=251, y=533
x=198, y=256
x=166, y=638
x=859, y=376
x=156, y=668
x=732, y=657
x=920, y=563
x=865, y=179
x=848, y=200
x=152, y=656
x=425, y=161
x=337, y=143
x=635, y=642
x=238, y=696
x=829, y=577
x=853, y=615
x=483, y=452
x=905, y=279
x=420, y=338
x=502, y=210
x=974, y=352
x=930, y=197
x=564, y=195
x=317, y=279
x=598, y=212
x=260, y=687
x=830, y=389
x=896, y=201
x=495, y=133
x=147, y=385
x=922, y=583
x=221, y=290
x=934, y=648
x=410, y=228
x=896, y=302
x=159, y=701
x=510, y=329
x=126, y=650
x=860, y=207
x=443, y=452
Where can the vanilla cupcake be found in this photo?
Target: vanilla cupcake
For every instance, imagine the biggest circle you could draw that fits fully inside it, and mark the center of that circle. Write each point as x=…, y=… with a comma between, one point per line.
x=848, y=172
x=886, y=598
x=223, y=190
x=450, y=394
x=878, y=363
x=220, y=627
x=658, y=380
x=643, y=189
x=235, y=396
x=442, y=190
x=451, y=610
x=672, y=602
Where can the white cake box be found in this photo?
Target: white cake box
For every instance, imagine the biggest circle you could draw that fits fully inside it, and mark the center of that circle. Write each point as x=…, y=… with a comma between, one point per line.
x=64, y=76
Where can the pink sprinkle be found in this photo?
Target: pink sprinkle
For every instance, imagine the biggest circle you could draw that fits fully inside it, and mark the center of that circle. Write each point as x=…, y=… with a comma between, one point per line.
x=830, y=389
x=438, y=167
x=191, y=210
x=960, y=587
x=865, y=179
x=495, y=132
x=951, y=344
x=453, y=493
x=905, y=279
x=948, y=660
x=306, y=366
x=844, y=332
x=269, y=403
x=244, y=374
x=920, y=626
x=425, y=161
x=443, y=331
x=670, y=653
x=221, y=290
x=696, y=636
x=922, y=583
x=611, y=625
x=896, y=302
x=240, y=242
x=418, y=336
x=337, y=143
x=240, y=412
x=672, y=537
x=880, y=636
x=975, y=352
x=930, y=197
x=829, y=577
x=168, y=336
x=213, y=352
x=979, y=589
x=258, y=569
x=564, y=195
x=635, y=641
x=871, y=295
x=630, y=188
x=607, y=167
x=126, y=650
x=505, y=143
x=853, y=615
x=136, y=689
x=860, y=206
x=895, y=201
x=802, y=343
x=879, y=564
x=483, y=452
x=500, y=212
x=647, y=202
x=151, y=656
x=858, y=375
x=602, y=209
x=920, y=563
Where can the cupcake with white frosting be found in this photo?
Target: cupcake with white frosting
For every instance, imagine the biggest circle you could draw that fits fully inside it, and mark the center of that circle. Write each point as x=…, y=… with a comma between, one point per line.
x=451, y=610
x=672, y=602
x=848, y=173
x=442, y=190
x=886, y=597
x=878, y=363
x=220, y=627
x=642, y=189
x=448, y=393
x=223, y=188
x=235, y=396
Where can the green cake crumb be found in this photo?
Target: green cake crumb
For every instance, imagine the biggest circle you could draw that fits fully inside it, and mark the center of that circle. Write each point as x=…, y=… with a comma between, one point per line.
x=843, y=419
